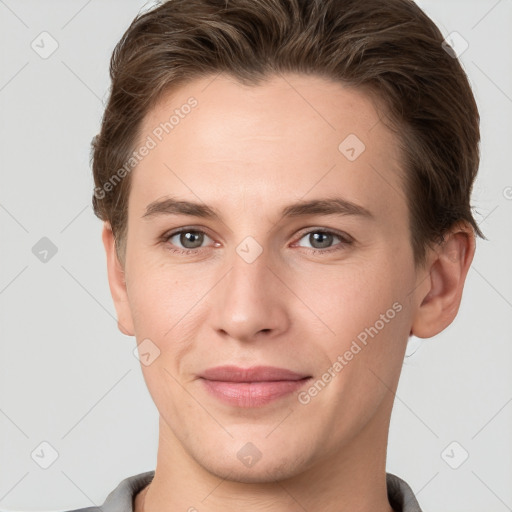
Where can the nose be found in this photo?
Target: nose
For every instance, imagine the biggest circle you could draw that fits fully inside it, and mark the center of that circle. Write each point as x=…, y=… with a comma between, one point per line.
x=251, y=300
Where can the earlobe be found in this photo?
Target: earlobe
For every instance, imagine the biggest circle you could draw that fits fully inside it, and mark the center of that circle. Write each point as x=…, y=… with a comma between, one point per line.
x=440, y=297
x=117, y=283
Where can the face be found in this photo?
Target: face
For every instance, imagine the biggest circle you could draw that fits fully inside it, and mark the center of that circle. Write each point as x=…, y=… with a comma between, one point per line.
x=284, y=242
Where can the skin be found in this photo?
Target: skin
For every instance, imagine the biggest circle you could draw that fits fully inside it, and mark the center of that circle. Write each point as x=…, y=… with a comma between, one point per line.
x=249, y=151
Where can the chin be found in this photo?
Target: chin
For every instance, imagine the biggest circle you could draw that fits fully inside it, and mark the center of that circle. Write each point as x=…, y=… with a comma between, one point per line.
x=263, y=471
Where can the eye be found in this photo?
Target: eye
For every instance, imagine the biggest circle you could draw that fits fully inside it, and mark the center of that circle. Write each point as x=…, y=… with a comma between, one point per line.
x=320, y=239
x=189, y=241
x=185, y=240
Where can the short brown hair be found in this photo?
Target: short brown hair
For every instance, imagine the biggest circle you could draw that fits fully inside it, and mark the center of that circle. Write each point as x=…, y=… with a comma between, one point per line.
x=389, y=48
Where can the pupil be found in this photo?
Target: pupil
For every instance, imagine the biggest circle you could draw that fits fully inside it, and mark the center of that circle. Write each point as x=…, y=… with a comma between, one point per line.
x=192, y=238
x=323, y=239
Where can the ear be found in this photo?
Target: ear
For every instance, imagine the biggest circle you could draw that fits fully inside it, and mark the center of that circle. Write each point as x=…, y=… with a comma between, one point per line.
x=441, y=294
x=117, y=283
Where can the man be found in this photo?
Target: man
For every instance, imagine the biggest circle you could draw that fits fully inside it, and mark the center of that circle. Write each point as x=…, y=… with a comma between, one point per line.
x=285, y=190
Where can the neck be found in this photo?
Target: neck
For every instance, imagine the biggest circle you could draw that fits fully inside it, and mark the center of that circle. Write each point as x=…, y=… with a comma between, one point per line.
x=352, y=478
x=140, y=500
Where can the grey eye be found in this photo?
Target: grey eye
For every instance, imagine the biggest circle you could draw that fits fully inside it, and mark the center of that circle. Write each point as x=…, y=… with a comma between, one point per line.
x=188, y=239
x=319, y=239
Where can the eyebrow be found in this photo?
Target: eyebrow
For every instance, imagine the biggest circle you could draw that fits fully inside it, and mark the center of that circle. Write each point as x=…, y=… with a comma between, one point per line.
x=327, y=206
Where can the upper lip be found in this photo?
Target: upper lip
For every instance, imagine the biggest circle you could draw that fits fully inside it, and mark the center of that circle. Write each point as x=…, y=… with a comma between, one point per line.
x=231, y=373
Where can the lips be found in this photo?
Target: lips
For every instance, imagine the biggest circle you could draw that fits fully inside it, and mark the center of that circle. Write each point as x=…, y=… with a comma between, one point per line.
x=254, y=374
x=251, y=387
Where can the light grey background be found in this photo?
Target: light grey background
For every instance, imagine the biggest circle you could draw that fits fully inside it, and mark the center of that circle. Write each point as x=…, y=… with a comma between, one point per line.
x=69, y=377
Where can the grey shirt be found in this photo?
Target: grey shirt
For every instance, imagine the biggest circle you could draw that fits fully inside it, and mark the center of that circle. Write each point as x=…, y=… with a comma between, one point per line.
x=121, y=499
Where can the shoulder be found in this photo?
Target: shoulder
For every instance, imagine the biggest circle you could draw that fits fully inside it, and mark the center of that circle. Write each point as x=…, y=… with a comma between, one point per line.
x=121, y=498
x=400, y=495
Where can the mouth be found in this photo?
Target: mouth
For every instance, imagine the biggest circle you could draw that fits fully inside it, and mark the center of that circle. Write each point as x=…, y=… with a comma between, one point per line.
x=231, y=373
x=251, y=387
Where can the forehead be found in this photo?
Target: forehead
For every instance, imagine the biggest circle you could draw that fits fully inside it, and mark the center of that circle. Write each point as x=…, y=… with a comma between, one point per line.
x=288, y=137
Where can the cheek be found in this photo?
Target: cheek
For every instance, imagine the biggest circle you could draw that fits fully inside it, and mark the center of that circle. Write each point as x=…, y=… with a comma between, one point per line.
x=164, y=305
x=163, y=298
x=366, y=310
x=347, y=298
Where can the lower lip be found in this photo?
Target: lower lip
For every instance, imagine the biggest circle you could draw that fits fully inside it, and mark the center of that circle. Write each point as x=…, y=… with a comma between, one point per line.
x=252, y=394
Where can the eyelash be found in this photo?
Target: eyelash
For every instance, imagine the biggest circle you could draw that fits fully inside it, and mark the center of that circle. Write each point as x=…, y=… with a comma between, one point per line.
x=345, y=240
